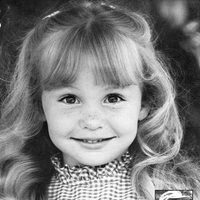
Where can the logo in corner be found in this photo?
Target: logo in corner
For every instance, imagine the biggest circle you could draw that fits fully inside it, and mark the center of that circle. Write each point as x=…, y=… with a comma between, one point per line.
x=173, y=195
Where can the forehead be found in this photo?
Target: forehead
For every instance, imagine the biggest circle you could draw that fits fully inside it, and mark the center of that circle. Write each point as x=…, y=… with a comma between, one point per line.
x=112, y=60
x=86, y=77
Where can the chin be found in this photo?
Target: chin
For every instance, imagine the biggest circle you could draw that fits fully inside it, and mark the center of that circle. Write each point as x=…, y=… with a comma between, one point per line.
x=94, y=163
x=95, y=160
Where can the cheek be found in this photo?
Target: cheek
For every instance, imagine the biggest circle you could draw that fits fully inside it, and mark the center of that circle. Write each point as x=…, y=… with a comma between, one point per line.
x=61, y=123
x=125, y=123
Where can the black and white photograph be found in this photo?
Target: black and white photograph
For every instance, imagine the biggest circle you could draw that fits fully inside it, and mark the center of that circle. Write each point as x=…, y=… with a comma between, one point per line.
x=99, y=99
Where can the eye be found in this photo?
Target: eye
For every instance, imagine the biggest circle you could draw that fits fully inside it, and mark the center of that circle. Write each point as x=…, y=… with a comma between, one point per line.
x=114, y=98
x=70, y=99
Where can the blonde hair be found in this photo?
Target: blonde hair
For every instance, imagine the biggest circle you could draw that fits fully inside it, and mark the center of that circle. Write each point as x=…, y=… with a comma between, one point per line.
x=116, y=44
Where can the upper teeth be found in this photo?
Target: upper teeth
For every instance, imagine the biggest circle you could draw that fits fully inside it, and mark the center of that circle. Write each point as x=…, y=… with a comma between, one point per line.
x=92, y=141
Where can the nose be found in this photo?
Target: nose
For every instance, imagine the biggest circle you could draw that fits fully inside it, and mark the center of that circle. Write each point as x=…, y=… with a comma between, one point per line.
x=91, y=121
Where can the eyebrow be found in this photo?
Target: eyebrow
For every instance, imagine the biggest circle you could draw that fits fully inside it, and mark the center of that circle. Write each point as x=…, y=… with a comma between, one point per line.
x=70, y=86
x=50, y=88
x=109, y=87
x=106, y=87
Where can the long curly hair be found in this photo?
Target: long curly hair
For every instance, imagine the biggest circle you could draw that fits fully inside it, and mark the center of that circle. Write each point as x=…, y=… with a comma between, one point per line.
x=116, y=44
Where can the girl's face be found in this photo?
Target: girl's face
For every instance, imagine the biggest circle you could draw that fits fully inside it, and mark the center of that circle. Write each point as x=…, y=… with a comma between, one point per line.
x=92, y=124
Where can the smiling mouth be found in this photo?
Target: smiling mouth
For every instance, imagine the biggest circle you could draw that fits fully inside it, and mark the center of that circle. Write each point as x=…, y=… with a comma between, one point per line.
x=92, y=141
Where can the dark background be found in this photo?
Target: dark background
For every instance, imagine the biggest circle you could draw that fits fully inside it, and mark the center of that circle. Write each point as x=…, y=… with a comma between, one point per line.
x=176, y=32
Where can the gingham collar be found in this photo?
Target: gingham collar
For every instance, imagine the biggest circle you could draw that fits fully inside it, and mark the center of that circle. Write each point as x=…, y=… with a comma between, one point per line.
x=88, y=172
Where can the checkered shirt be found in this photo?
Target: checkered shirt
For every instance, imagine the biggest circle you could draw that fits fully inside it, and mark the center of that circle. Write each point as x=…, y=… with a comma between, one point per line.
x=108, y=182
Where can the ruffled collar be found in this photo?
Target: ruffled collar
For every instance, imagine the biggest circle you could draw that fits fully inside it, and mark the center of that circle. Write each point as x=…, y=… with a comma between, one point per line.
x=89, y=172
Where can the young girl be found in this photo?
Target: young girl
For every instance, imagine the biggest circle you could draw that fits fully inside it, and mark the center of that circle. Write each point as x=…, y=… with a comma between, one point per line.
x=91, y=112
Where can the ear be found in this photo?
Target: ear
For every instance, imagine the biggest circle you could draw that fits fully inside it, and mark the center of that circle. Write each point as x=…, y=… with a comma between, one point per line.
x=41, y=113
x=43, y=118
x=143, y=112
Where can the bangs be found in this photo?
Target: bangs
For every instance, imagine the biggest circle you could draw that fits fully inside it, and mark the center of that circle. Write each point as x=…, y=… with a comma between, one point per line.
x=113, y=59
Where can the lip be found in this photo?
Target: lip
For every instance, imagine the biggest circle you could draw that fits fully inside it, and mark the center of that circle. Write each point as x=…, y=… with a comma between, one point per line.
x=92, y=143
x=92, y=139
